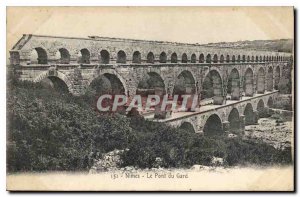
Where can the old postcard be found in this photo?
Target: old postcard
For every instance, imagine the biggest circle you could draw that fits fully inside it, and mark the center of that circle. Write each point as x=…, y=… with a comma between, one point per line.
x=150, y=99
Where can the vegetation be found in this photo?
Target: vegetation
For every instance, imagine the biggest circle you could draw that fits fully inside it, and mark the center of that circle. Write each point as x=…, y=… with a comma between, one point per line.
x=50, y=130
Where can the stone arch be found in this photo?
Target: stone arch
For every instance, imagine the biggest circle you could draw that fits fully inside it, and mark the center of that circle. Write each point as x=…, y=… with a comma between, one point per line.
x=185, y=83
x=193, y=58
x=277, y=77
x=84, y=57
x=244, y=58
x=108, y=83
x=270, y=79
x=201, y=58
x=260, y=85
x=213, y=126
x=222, y=59
x=227, y=58
x=238, y=58
x=151, y=83
x=121, y=57
x=104, y=57
x=234, y=120
x=136, y=57
x=233, y=58
x=215, y=58
x=55, y=76
x=248, y=58
x=248, y=83
x=256, y=58
x=39, y=56
x=163, y=57
x=270, y=102
x=150, y=58
x=249, y=115
x=63, y=56
x=233, y=85
x=184, y=58
x=252, y=58
x=264, y=58
x=260, y=58
x=212, y=87
x=187, y=126
x=208, y=58
x=260, y=108
x=174, y=58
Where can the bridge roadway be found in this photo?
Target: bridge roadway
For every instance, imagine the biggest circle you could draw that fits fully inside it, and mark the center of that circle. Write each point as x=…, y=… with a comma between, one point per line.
x=233, y=115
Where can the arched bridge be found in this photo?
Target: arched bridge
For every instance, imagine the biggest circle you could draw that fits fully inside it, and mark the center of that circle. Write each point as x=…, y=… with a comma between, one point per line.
x=129, y=66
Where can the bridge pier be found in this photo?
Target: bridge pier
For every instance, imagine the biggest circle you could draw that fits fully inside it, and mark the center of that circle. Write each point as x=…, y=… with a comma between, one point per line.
x=226, y=126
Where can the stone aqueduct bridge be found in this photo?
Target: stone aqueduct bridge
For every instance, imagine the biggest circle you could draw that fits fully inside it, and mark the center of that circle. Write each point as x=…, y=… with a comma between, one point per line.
x=246, y=76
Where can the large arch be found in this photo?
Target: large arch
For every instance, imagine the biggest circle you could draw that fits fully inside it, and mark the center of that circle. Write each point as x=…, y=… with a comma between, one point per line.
x=39, y=56
x=270, y=79
x=234, y=120
x=277, y=77
x=64, y=56
x=260, y=85
x=249, y=115
x=163, y=57
x=213, y=126
x=84, y=57
x=213, y=87
x=136, y=57
x=121, y=57
x=152, y=83
x=260, y=108
x=104, y=57
x=185, y=84
x=55, y=83
x=150, y=58
x=187, y=126
x=248, y=83
x=233, y=85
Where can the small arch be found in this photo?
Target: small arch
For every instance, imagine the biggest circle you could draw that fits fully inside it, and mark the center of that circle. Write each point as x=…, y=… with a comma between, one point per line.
x=193, y=58
x=104, y=57
x=260, y=58
x=64, y=56
x=84, y=56
x=150, y=58
x=39, y=56
x=238, y=58
x=222, y=59
x=256, y=58
x=252, y=58
x=249, y=115
x=208, y=58
x=248, y=58
x=184, y=58
x=201, y=58
x=121, y=57
x=174, y=58
x=213, y=126
x=187, y=126
x=234, y=120
x=233, y=58
x=215, y=58
x=264, y=58
x=163, y=57
x=227, y=58
x=136, y=57
x=243, y=58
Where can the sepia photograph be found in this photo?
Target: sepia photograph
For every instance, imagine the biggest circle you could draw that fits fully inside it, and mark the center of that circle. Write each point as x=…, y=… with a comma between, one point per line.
x=150, y=99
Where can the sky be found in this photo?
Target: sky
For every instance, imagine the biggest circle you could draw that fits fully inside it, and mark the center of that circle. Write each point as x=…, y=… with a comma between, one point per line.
x=177, y=24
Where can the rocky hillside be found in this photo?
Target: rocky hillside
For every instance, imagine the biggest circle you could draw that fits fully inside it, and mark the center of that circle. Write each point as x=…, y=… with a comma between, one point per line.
x=282, y=45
